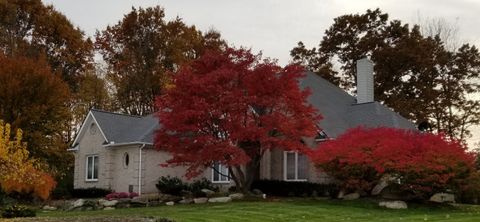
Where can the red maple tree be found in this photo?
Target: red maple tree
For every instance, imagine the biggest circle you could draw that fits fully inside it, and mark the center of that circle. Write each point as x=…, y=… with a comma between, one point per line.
x=419, y=163
x=229, y=108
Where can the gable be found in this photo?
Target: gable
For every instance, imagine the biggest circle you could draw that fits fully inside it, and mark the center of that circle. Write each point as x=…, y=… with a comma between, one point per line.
x=89, y=126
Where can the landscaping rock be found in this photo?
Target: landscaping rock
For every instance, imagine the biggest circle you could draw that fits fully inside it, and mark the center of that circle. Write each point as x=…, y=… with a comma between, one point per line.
x=47, y=207
x=200, y=200
x=236, y=196
x=397, y=204
x=109, y=208
x=109, y=203
x=379, y=187
x=351, y=196
x=186, y=201
x=220, y=200
x=208, y=192
x=170, y=203
x=78, y=203
x=443, y=198
x=138, y=203
x=257, y=192
x=341, y=194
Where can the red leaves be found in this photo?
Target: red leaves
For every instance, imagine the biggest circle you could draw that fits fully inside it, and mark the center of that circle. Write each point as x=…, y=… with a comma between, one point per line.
x=230, y=107
x=422, y=163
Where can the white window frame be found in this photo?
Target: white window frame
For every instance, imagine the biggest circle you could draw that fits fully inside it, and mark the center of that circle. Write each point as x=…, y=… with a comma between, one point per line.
x=296, y=167
x=219, y=175
x=93, y=168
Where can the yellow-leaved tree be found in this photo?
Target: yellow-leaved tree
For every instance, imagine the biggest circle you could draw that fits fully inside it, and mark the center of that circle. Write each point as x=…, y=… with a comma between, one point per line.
x=18, y=172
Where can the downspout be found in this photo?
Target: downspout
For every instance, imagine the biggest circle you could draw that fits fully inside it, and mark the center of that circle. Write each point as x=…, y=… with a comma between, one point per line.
x=140, y=170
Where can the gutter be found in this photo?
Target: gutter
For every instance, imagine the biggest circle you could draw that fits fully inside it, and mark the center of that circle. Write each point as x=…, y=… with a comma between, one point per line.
x=112, y=144
x=140, y=169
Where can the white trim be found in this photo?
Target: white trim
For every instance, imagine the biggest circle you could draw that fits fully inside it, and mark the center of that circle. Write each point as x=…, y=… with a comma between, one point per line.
x=220, y=176
x=83, y=125
x=112, y=144
x=140, y=169
x=93, y=167
x=296, y=167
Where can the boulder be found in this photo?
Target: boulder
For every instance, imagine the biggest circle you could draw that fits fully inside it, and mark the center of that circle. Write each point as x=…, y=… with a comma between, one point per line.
x=379, y=187
x=351, y=196
x=170, y=203
x=341, y=194
x=109, y=208
x=396, y=204
x=257, y=192
x=138, y=203
x=78, y=203
x=186, y=201
x=109, y=203
x=443, y=198
x=208, y=192
x=236, y=196
x=200, y=200
x=47, y=207
x=220, y=200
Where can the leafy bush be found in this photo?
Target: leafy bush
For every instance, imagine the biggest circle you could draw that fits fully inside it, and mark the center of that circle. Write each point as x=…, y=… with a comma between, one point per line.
x=171, y=185
x=120, y=195
x=197, y=186
x=294, y=189
x=175, y=186
x=90, y=192
x=18, y=211
x=421, y=163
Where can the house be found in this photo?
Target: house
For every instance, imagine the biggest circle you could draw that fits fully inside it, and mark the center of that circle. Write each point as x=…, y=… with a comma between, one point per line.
x=115, y=151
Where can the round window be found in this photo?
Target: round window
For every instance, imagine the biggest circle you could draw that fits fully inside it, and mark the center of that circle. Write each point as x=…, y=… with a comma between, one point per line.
x=126, y=160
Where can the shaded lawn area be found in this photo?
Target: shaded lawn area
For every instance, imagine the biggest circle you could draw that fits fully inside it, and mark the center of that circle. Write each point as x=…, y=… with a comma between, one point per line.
x=287, y=210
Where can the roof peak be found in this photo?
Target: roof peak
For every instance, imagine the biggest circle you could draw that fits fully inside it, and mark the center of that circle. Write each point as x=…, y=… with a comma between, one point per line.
x=115, y=113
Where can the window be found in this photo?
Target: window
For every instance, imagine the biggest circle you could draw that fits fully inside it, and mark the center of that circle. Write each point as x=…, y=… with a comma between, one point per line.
x=220, y=173
x=126, y=160
x=295, y=166
x=92, y=168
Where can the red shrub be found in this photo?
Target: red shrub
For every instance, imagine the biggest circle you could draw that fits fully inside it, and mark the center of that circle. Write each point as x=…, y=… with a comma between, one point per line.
x=421, y=163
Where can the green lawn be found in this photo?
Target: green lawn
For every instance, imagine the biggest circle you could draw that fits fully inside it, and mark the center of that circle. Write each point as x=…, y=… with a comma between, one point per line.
x=288, y=210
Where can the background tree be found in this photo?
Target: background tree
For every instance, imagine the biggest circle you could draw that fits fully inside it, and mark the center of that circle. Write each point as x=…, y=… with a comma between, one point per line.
x=229, y=108
x=35, y=99
x=18, y=172
x=31, y=29
x=415, y=75
x=142, y=48
x=93, y=92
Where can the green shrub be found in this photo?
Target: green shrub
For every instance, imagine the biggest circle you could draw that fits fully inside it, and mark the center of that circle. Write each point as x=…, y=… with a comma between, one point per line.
x=175, y=186
x=294, y=189
x=171, y=185
x=197, y=186
x=18, y=211
x=90, y=192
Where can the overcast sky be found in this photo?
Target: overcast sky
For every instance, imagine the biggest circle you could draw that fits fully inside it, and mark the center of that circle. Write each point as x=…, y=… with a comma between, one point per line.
x=274, y=26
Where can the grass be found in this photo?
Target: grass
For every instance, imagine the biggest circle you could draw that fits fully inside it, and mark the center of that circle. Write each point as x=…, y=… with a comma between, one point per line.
x=287, y=210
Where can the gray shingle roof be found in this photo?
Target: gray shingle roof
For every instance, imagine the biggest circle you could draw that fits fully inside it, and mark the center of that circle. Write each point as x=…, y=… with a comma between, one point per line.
x=339, y=110
x=121, y=128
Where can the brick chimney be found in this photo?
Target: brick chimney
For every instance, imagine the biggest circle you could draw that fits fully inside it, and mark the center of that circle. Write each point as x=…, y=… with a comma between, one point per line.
x=364, y=81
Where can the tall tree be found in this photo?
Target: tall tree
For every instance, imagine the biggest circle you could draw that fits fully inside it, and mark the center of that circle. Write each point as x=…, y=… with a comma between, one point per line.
x=93, y=92
x=29, y=28
x=142, y=47
x=36, y=100
x=229, y=108
x=415, y=75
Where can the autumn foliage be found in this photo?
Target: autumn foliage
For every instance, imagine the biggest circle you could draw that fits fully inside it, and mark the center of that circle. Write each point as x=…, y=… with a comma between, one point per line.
x=420, y=163
x=18, y=172
x=230, y=107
